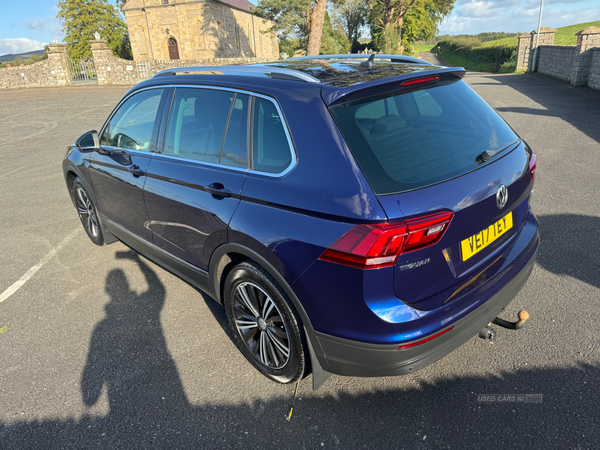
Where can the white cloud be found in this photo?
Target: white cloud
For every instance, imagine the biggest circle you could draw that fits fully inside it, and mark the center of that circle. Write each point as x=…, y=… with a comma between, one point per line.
x=19, y=45
x=476, y=16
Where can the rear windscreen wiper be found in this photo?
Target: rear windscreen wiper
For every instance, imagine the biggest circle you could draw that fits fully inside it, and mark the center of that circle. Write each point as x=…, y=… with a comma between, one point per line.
x=488, y=154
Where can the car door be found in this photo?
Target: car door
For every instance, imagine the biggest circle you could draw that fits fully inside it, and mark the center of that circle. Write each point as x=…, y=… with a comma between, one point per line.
x=118, y=168
x=194, y=183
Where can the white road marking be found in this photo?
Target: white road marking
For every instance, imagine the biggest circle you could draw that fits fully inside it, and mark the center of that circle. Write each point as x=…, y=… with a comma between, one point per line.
x=12, y=171
x=31, y=272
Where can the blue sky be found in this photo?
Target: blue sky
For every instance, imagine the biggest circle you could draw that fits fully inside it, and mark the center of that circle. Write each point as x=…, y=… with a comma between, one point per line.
x=29, y=24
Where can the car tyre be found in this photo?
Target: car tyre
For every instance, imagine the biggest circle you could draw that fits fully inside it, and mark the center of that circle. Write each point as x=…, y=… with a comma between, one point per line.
x=88, y=213
x=267, y=328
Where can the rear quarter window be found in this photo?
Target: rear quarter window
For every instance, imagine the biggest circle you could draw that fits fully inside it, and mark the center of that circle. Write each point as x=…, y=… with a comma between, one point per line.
x=271, y=152
x=406, y=141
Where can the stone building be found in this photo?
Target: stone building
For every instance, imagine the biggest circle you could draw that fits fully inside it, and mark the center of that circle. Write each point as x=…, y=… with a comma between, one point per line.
x=197, y=29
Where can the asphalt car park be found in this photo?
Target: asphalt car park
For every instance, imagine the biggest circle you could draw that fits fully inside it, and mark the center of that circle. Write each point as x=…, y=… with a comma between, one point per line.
x=101, y=348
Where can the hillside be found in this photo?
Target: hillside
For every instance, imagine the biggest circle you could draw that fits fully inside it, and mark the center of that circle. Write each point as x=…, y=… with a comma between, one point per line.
x=11, y=56
x=563, y=36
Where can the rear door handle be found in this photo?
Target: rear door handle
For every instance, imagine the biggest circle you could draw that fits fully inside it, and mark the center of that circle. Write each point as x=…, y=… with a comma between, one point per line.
x=136, y=170
x=218, y=190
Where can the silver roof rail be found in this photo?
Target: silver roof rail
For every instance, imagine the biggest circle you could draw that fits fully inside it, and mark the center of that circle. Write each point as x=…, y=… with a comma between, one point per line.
x=392, y=58
x=255, y=69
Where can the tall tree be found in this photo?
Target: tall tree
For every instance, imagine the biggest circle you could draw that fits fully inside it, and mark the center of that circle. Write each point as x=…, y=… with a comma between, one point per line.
x=299, y=18
x=387, y=16
x=423, y=20
x=289, y=17
x=81, y=19
x=333, y=40
x=317, y=18
x=352, y=15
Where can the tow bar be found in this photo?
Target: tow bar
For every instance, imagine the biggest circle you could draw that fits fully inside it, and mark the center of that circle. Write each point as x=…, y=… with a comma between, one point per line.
x=489, y=334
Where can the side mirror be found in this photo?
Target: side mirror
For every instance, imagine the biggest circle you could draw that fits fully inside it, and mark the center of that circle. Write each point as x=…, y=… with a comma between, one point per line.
x=88, y=141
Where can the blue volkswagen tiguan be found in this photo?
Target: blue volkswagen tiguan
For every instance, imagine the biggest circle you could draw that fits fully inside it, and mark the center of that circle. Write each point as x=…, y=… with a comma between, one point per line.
x=360, y=218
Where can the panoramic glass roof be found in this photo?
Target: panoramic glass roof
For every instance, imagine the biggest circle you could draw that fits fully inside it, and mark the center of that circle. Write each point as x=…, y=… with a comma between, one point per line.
x=346, y=73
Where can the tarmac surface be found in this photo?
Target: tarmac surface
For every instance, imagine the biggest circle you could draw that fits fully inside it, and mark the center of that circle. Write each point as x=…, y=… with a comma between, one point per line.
x=100, y=349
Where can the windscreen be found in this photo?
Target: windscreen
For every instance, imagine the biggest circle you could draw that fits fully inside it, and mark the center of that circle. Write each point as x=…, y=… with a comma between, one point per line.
x=406, y=141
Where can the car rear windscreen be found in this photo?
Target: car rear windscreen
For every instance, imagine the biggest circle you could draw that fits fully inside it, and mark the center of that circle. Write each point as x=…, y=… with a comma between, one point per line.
x=406, y=141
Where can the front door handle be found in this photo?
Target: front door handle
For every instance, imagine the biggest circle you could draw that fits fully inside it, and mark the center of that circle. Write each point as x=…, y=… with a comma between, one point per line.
x=218, y=190
x=136, y=171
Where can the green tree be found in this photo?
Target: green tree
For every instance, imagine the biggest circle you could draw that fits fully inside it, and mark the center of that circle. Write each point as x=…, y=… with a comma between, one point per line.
x=289, y=46
x=423, y=20
x=289, y=17
x=302, y=19
x=386, y=19
x=333, y=39
x=352, y=15
x=81, y=19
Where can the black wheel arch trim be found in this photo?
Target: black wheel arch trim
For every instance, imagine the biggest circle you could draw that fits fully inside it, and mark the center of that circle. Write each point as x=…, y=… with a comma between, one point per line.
x=220, y=258
x=109, y=238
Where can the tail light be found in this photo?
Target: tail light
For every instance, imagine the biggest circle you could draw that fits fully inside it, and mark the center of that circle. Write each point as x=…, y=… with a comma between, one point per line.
x=375, y=246
x=532, y=166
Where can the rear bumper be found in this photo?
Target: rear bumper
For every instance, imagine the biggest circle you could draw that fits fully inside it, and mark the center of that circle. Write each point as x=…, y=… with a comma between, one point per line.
x=353, y=358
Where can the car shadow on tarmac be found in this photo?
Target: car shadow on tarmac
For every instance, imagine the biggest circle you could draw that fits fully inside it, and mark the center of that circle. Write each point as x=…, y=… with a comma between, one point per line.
x=570, y=246
x=148, y=407
x=439, y=415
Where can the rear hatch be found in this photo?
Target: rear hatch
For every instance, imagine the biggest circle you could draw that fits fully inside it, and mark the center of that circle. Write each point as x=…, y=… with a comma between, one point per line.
x=432, y=147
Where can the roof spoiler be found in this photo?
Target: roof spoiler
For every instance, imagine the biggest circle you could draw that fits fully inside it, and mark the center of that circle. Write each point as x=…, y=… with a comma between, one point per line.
x=333, y=95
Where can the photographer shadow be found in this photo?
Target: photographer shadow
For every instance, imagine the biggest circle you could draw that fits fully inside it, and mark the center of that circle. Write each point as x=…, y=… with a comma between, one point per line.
x=128, y=355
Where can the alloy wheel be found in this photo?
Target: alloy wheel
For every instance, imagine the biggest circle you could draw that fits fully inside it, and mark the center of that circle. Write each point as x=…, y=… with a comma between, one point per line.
x=261, y=326
x=87, y=214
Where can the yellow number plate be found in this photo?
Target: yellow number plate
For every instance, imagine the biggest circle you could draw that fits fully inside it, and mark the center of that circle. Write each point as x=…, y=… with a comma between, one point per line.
x=485, y=237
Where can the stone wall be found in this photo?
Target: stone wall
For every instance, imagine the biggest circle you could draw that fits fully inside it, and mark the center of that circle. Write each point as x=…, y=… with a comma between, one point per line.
x=556, y=60
x=594, y=78
x=112, y=70
x=576, y=64
x=527, y=44
x=202, y=29
x=48, y=73
x=109, y=68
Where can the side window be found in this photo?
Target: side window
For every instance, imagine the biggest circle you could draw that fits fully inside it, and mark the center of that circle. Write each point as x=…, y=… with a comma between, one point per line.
x=132, y=125
x=235, y=151
x=271, y=150
x=198, y=123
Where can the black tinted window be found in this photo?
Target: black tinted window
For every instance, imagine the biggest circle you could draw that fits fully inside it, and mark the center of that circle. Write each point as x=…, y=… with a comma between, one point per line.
x=236, y=139
x=197, y=123
x=270, y=150
x=132, y=125
x=416, y=139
